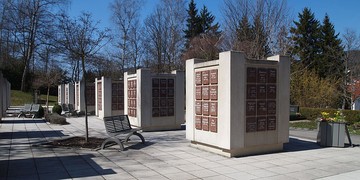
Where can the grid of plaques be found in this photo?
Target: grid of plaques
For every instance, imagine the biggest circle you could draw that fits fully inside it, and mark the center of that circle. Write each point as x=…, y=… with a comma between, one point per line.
x=132, y=98
x=99, y=95
x=261, y=99
x=77, y=95
x=206, y=100
x=117, y=98
x=90, y=94
x=163, y=97
x=66, y=95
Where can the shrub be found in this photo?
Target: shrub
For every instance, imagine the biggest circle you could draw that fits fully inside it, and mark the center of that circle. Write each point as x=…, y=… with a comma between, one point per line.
x=40, y=113
x=55, y=118
x=57, y=109
x=351, y=116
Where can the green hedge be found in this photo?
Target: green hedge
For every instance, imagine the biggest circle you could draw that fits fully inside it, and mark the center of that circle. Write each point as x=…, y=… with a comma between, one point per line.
x=351, y=116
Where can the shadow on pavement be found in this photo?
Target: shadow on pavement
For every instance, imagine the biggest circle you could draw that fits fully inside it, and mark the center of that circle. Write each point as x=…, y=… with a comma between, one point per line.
x=61, y=167
x=22, y=121
x=31, y=134
x=295, y=144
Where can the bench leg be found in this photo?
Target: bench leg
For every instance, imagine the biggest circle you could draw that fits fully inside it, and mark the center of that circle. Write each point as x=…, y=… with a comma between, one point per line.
x=137, y=134
x=112, y=139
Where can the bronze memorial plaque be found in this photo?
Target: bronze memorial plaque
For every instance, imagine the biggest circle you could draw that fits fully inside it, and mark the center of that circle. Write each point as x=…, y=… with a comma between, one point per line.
x=251, y=91
x=271, y=107
x=213, y=92
x=198, y=108
x=171, y=83
x=205, y=77
x=213, y=124
x=272, y=75
x=261, y=92
x=155, y=112
x=163, y=83
x=261, y=108
x=271, y=123
x=205, y=92
x=261, y=123
x=163, y=111
x=170, y=102
x=251, y=75
x=262, y=74
x=213, y=108
x=155, y=93
x=205, y=123
x=205, y=108
x=214, y=76
x=198, y=122
x=163, y=92
x=271, y=91
x=250, y=108
x=251, y=124
x=155, y=83
x=163, y=102
x=155, y=102
x=170, y=112
x=198, y=78
x=171, y=92
x=198, y=93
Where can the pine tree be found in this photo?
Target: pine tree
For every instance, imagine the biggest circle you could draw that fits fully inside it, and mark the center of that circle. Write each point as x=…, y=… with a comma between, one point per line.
x=331, y=51
x=306, y=39
x=206, y=22
x=245, y=36
x=261, y=47
x=193, y=23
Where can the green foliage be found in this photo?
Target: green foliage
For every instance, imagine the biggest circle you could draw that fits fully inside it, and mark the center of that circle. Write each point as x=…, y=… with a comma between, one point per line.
x=55, y=118
x=317, y=46
x=308, y=90
x=351, y=116
x=57, y=109
x=311, y=125
x=306, y=38
x=19, y=98
x=40, y=113
x=199, y=23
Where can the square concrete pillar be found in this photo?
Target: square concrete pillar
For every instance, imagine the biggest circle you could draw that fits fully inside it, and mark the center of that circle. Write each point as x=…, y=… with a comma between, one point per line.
x=154, y=101
x=69, y=94
x=2, y=95
x=109, y=97
x=237, y=106
x=61, y=94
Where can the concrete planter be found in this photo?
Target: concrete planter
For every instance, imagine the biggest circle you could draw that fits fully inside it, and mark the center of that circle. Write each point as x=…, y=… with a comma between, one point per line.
x=331, y=134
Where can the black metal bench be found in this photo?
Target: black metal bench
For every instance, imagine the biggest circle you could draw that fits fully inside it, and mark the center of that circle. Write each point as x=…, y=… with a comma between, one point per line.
x=119, y=125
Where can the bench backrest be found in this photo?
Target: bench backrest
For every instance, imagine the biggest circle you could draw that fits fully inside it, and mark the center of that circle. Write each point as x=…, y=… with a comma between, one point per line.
x=35, y=107
x=64, y=107
x=117, y=124
x=27, y=107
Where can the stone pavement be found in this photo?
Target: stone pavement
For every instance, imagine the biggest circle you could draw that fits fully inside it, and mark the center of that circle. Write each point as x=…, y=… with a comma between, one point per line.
x=166, y=155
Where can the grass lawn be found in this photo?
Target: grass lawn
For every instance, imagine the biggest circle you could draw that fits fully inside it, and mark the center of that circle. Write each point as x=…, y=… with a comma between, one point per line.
x=312, y=125
x=19, y=98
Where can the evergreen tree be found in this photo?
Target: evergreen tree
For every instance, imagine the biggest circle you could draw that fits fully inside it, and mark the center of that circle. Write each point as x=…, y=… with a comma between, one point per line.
x=206, y=22
x=192, y=23
x=331, y=51
x=306, y=38
x=245, y=36
x=261, y=47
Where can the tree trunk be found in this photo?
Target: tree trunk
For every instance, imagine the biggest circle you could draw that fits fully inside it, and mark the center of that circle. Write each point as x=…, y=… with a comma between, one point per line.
x=85, y=99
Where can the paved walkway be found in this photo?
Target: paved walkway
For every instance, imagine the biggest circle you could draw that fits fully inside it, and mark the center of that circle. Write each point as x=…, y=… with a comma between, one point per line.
x=166, y=155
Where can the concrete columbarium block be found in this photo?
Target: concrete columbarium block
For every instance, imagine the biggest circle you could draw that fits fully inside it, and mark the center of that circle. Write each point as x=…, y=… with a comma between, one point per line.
x=154, y=101
x=61, y=93
x=69, y=94
x=237, y=106
x=1, y=95
x=109, y=97
x=80, y=96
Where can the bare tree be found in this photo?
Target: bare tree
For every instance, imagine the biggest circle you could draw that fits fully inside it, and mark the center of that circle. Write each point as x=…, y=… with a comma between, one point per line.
x=274, y=15
x=125, y=15
x=26, y=22
x=164, y=35
x=81, y=39
x=351, y=43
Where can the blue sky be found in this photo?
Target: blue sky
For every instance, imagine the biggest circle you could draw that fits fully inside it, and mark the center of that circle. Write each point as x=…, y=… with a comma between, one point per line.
x=343, y=13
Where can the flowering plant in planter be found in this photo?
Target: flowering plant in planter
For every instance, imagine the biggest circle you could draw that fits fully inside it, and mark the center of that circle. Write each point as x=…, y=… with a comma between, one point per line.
x=338, y=116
